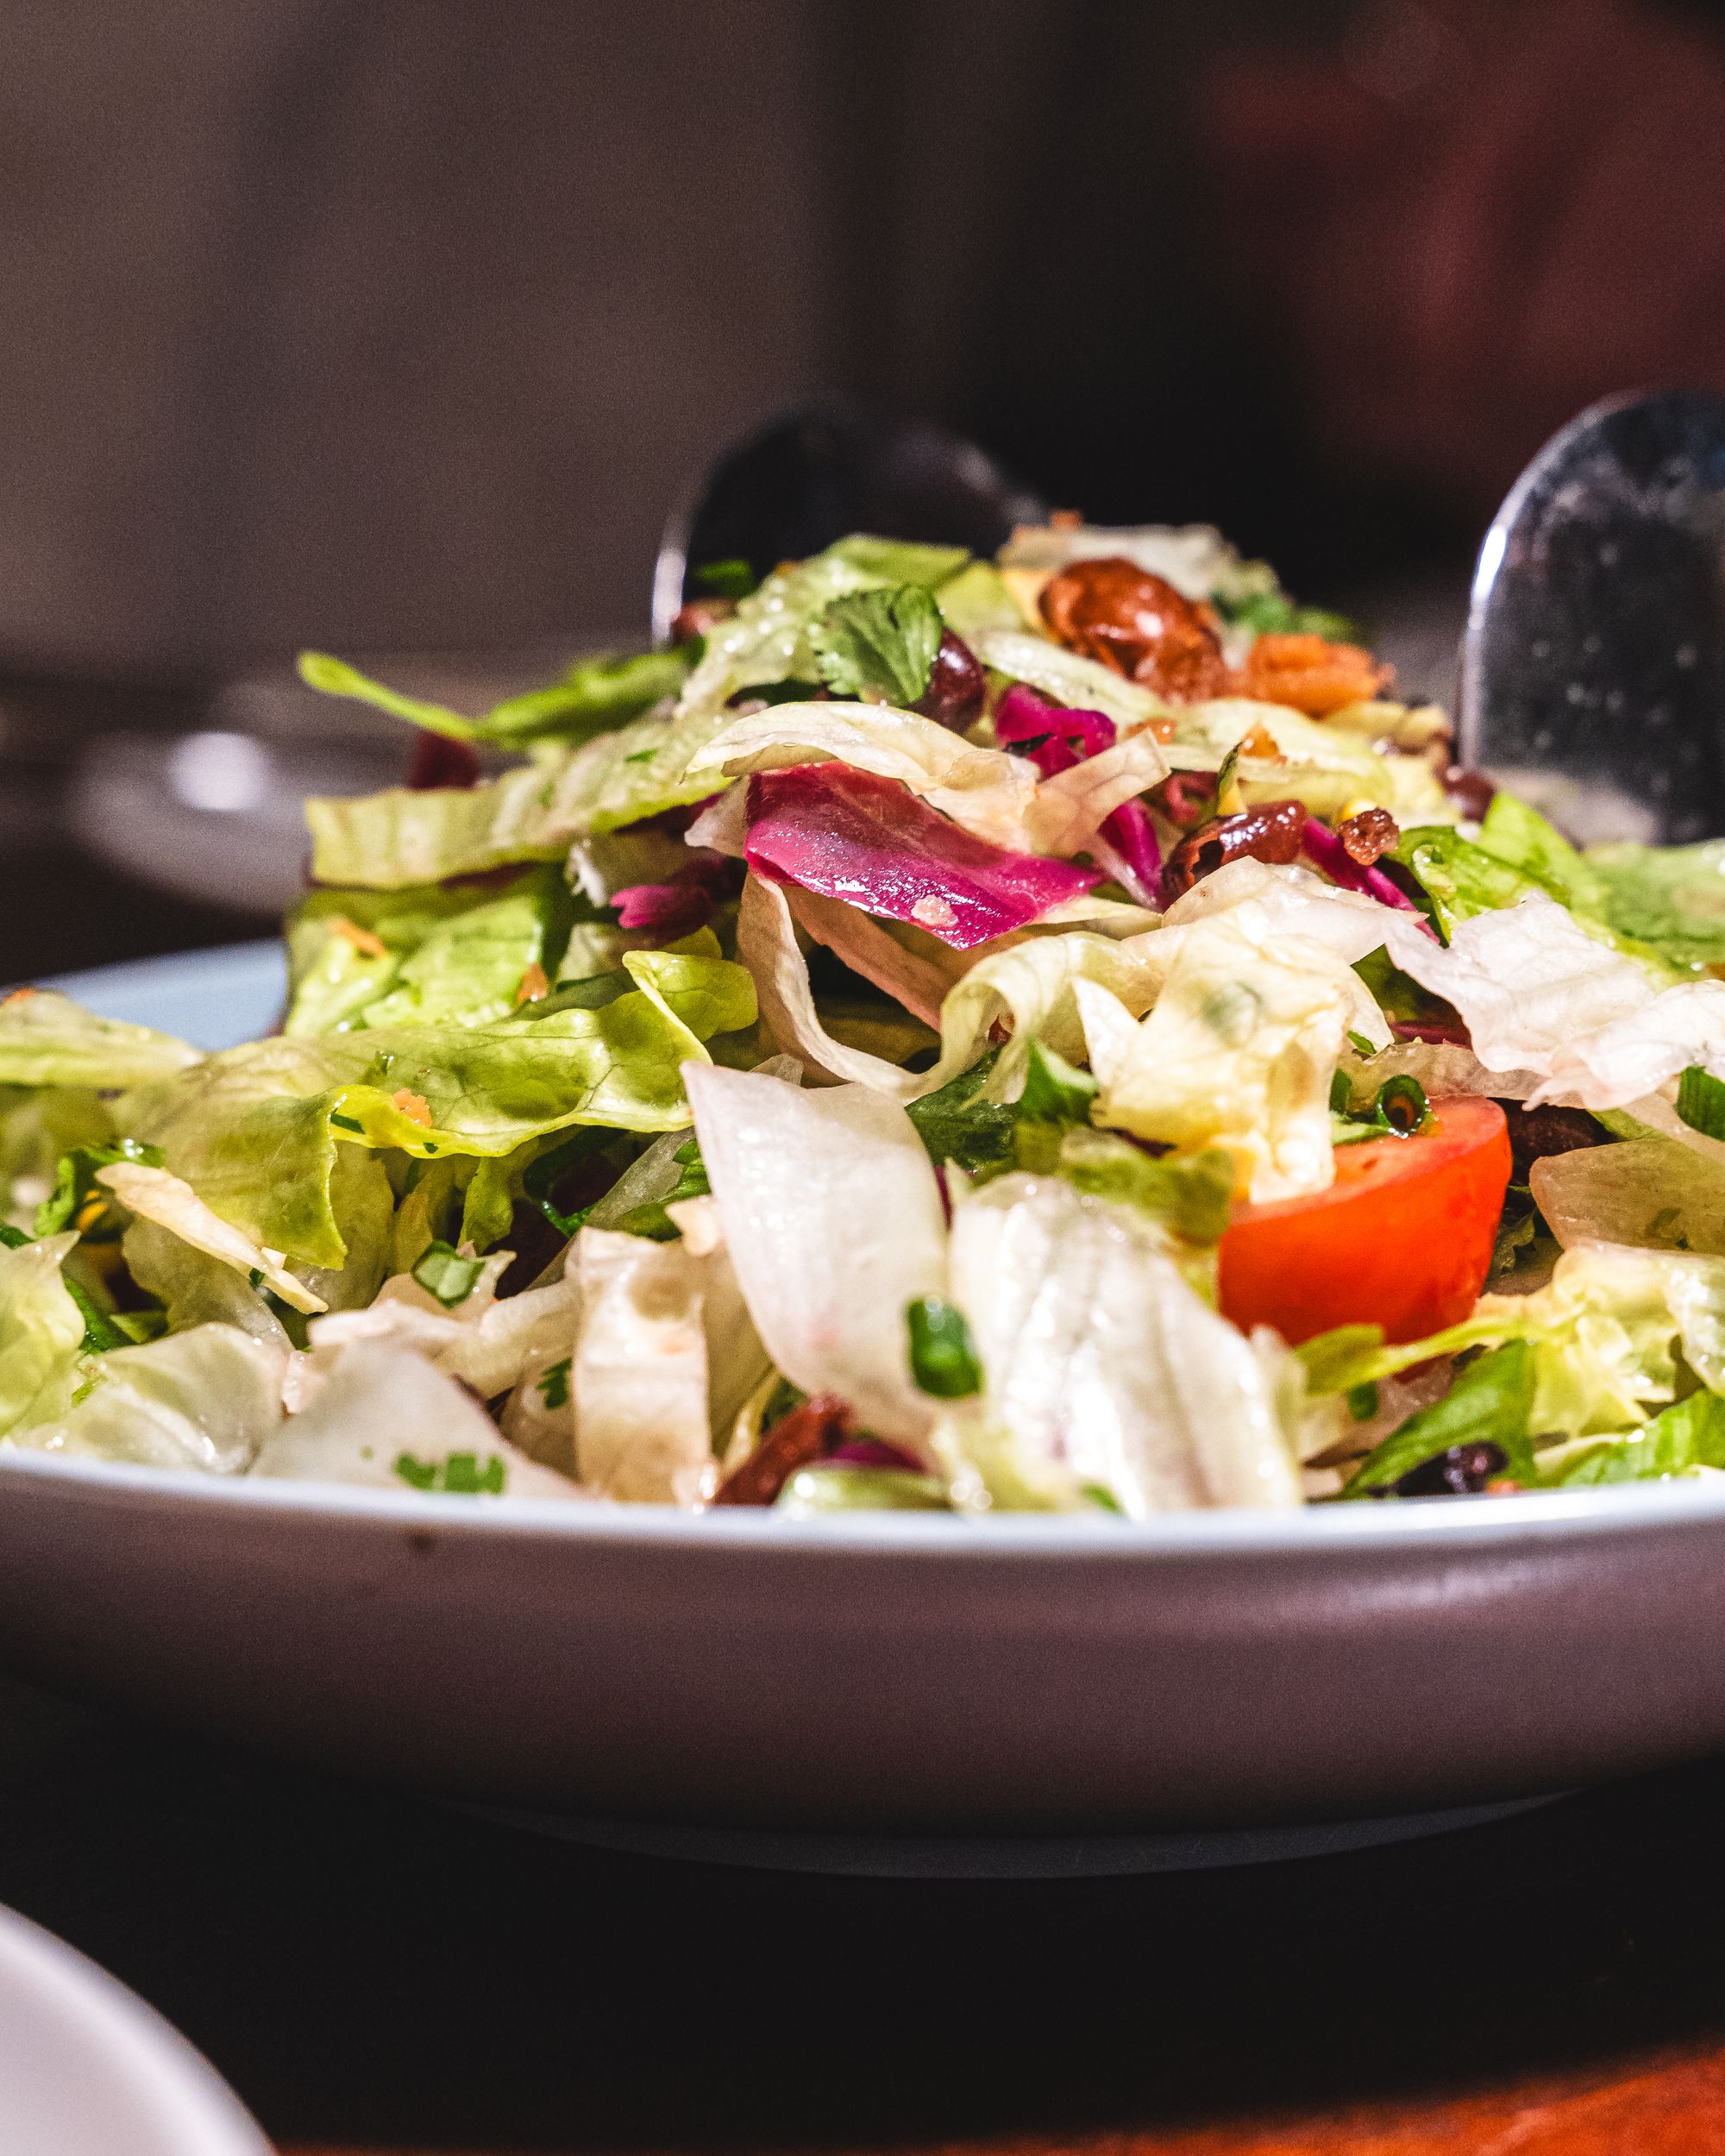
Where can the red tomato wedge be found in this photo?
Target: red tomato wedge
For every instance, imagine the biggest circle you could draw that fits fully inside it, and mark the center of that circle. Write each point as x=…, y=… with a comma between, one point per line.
x=1402, y=1238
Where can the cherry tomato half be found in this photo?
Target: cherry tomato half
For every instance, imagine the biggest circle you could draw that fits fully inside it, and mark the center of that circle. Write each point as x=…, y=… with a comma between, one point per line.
x=1402, y=1238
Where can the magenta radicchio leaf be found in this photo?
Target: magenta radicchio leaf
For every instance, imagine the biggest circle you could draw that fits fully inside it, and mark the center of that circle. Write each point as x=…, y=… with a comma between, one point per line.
x=1323, y=847
x=663, y=909
x=1064, y=736
x=1022, y=714
x=870, y=840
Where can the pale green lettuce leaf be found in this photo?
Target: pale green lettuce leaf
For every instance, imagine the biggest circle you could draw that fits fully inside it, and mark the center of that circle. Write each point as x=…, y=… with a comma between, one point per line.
x=1670, y=896
x=459, y=955
x=38, y=1125
x=833, y=1220
x=194, y=1288
x=47, y=1039
x=42, y=1332
x=1648, y=1192
x=254, y=1129
x=403, y=835
x=1103, y=1369
x=206, y=1399
x=1522, y=836
x=1682, y=1439
x=386, y=1418
x=154, y=1194
x=641, y=771
x=899, y=561
x=1605, y=1335
x=977, y=600
x=639, y=1377
x=1238, y=1052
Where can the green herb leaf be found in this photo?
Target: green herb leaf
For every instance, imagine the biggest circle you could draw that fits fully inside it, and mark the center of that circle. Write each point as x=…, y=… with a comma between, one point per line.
x=444, y=1273
x=75, y=1182
x=1055, y=1091
x=554, y=1386
x=732, y=578
x=1700, y=1101
x=1274, y=614
x=959, y=1123
x=883, y=642
x=1490, y=1402
x=944, y=1359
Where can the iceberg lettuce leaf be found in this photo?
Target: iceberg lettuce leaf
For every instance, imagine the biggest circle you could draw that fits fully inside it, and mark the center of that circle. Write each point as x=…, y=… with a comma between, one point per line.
x=47, y=1039
x=833, y=1220
x=254, y=1129
x=42, y=1332
x=1103, y=1369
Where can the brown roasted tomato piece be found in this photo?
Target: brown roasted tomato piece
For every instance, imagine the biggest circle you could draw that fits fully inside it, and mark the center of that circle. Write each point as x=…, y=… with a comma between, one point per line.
x=1311, y=675
x=1270, y=833
x=1112, y=610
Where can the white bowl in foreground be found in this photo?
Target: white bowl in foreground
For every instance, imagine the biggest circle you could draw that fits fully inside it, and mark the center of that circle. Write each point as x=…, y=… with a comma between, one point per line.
x=86, y=2069
x=871, y=1674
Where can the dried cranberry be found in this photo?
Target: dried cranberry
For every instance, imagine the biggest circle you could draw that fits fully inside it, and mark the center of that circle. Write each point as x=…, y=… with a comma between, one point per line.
x=1471, y=791
x=810, y=1432
x=699, y=617
x=1463, y=1471
x=1368, y=836
x=1271, y=833
x=956, y=685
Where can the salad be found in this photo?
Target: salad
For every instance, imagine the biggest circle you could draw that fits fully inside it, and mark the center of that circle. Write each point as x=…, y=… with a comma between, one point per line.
x=1054, y=1033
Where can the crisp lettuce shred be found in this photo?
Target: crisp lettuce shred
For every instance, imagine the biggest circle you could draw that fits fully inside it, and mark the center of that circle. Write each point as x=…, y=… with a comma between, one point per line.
x=785, y=1077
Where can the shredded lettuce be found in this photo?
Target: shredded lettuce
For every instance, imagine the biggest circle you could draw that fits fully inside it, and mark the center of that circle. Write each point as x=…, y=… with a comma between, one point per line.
x=1103, y=1369
x=206, y=1399
x=47, y=1039
x=833, y=1220
x=254, y=1129
x=1605, y=1335
x=1670, y=896
x=358, y=957
x=384, y=1417
x=41, y=1331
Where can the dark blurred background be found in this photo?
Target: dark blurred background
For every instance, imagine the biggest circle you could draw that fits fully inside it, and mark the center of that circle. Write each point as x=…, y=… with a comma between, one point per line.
x=397, y=325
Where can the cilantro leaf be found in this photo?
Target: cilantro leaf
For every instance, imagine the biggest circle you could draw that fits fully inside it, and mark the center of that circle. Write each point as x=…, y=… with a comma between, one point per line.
x=881, y=641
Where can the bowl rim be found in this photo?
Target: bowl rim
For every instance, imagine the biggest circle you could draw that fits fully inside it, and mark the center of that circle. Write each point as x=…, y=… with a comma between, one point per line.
x=1361, y=1531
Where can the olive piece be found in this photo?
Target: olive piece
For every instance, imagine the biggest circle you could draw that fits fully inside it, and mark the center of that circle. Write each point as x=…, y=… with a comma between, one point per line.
x=1463, y=1471
x=956, y=685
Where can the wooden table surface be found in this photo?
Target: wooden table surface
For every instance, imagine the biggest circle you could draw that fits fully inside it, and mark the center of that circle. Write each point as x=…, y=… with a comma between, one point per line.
x=376, y=1975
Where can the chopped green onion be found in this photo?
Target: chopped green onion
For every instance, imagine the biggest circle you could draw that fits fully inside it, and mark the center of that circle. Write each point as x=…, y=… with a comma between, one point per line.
x=444, y=1273
x=1402, y=1104
x=944, y=1359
